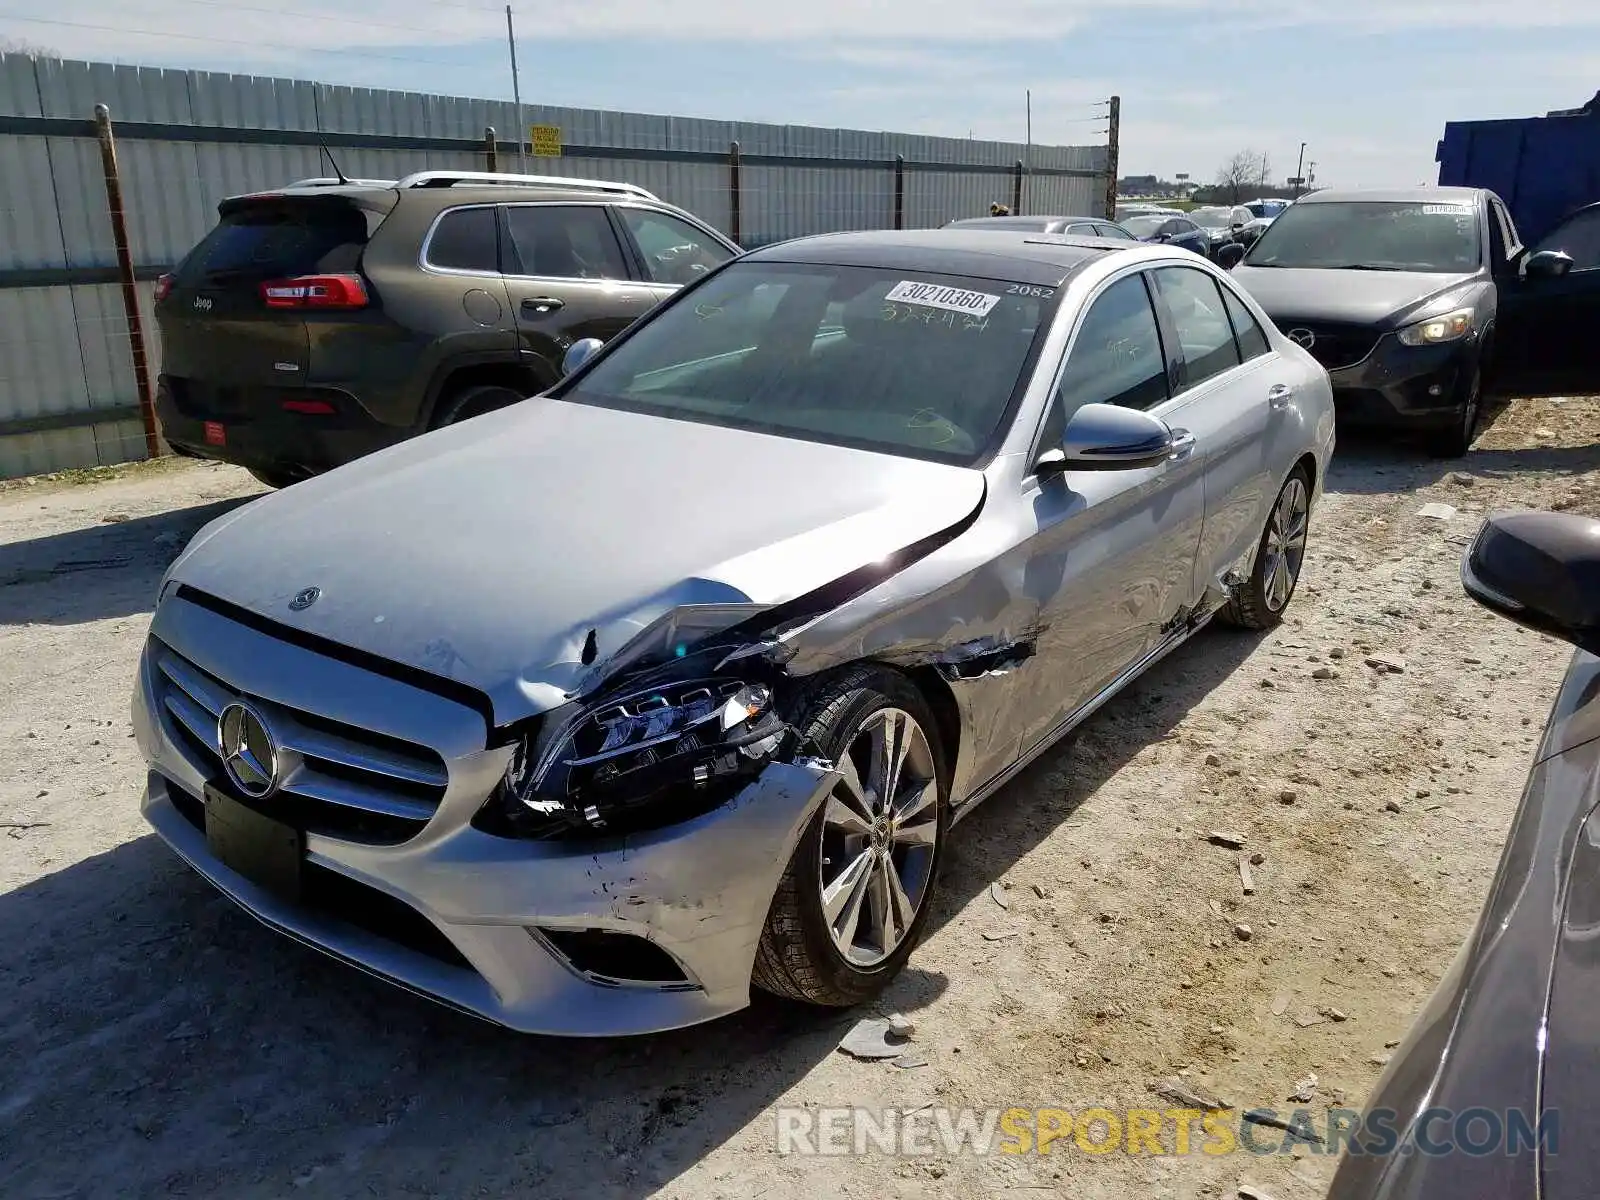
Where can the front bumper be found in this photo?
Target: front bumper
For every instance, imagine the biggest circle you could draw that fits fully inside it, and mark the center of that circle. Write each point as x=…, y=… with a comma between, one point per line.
x=492, y=909
x=1403, y=386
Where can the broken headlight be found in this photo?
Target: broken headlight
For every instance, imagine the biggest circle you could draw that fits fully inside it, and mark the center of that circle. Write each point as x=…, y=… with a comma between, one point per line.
x=646, y=757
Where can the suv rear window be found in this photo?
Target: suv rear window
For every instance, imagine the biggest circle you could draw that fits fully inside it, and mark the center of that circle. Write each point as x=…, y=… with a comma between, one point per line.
x=273, y=240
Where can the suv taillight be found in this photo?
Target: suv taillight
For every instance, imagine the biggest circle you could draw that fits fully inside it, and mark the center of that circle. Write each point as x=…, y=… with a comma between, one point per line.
x=315, y=291
x=163, y=286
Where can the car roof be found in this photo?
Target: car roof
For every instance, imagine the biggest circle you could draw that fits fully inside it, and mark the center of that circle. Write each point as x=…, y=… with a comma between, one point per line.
x=1034, y=221
x=1421, y=195
x=445, y=197
x=1023, y=256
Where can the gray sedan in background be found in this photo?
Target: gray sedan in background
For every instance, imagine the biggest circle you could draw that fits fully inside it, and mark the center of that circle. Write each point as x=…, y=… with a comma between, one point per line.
x=585, y=714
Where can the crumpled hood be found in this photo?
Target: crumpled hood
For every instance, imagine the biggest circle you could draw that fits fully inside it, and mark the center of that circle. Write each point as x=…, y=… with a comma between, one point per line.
x=486, y=552
x=1356, y=297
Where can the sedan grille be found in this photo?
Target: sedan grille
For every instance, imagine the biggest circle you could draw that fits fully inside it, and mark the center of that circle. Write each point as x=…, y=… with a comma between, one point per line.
x=336, y=779
x=1333, y=346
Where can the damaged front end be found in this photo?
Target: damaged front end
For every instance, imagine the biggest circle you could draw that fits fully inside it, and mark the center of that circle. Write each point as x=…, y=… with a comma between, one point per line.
x=663, y=743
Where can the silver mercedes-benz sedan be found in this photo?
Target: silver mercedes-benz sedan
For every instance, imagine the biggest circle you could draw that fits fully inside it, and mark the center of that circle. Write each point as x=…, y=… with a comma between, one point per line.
x=587, y=714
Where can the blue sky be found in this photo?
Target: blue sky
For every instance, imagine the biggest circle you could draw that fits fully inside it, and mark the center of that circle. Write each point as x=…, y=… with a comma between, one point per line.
x=1367, y=83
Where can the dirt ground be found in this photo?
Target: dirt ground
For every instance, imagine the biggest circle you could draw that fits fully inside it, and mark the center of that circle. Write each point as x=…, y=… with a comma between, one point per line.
x=158, y=1042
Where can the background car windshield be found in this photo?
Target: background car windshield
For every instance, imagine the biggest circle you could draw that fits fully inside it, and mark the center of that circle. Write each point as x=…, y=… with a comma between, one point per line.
x=909, y=362
x=1381, y=236
x=1206, y=217
x=1143, y=226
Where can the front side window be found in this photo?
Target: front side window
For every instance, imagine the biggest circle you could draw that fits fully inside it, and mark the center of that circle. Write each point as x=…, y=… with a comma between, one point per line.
x=1116, y=357
x=1580, y=238
x=906, y=362
x=565, y=241
x=1412, y=235
x=675, y=252
x=1204, y=332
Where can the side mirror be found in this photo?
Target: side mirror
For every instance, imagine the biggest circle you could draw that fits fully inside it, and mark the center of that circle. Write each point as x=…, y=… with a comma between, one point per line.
x=580, y=352
x=1548, y=264
x=1107, y=437
x=1229, y=256
x=1541, y=570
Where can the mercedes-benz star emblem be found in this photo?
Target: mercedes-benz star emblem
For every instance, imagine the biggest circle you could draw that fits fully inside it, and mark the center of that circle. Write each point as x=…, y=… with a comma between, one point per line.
x=1303, y=338
x=249, y=755
x=304, y=599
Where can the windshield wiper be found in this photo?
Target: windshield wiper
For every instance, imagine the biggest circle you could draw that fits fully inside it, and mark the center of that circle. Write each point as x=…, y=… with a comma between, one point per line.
x=1362, y=267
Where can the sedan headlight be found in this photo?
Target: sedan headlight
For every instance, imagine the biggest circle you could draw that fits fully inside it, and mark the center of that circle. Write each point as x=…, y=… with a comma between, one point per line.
x=642, y=758
x=1451, y=327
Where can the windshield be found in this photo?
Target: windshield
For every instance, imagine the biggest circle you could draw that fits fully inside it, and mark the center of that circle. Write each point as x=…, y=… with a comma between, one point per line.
x=1143, y=226
x=1211, y=217
x=1372, y=235
x=916, y=363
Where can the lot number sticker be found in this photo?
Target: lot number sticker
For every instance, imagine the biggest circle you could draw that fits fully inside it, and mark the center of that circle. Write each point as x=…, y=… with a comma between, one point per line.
x=933, y=295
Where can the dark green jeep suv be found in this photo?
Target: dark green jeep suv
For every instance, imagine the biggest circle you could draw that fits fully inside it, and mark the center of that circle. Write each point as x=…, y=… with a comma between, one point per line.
x=334, y=317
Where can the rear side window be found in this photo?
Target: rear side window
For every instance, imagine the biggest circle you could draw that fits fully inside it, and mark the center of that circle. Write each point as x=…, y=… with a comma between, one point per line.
x=271, y=241
x=465, y=239
x=559, y=241
x=1204, y=333
x=1252, y=339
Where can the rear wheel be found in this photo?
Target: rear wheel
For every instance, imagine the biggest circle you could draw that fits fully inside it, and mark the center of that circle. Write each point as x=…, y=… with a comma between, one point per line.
x=276, y=477
x=1455, y=440
x=857, y=891
x=474, y=401
x=1259, y=602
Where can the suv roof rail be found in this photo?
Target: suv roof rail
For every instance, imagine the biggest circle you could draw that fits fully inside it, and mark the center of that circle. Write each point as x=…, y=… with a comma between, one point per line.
x=324, y=181
x=424, y=179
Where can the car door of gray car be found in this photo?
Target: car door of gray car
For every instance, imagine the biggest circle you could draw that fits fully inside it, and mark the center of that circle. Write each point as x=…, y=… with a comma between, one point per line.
x=1111, y=558
x=1236, y=397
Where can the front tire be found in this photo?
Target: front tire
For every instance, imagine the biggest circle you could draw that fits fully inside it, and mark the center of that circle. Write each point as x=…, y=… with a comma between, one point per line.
x=1455, y=440
x=857, y=891
x=1260, y=602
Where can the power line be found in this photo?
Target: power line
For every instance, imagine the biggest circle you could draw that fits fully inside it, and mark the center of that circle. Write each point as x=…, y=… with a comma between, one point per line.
x=229, y=6
x=253, y=42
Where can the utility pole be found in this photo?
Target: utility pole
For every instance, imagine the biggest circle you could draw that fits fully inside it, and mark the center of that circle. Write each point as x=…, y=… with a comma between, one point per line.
x=1299, y=171
x=516, y=95
x=1028, y=157
x=1113, y=134
x=1311, y=176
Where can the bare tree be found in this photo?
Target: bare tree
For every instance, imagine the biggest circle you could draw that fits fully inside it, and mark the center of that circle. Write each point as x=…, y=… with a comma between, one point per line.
x=14, y=45
x=1246, y=169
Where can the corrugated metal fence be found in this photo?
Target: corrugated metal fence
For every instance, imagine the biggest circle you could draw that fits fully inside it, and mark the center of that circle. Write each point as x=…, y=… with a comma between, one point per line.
x=186, y=139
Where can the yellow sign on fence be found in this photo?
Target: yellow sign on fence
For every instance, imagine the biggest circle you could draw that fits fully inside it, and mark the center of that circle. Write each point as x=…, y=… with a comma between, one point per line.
x=546, y=141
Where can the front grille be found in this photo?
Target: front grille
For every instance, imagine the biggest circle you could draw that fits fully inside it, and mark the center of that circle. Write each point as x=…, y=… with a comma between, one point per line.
x=1335, y=347
x=337, y=779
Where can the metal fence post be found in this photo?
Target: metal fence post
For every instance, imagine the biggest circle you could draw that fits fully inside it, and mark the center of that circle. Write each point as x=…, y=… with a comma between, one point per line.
x=1113, y=129
x=1016, y=190
x=899, y=191
x=491, y=148
x=735, y=196
x=130, y=290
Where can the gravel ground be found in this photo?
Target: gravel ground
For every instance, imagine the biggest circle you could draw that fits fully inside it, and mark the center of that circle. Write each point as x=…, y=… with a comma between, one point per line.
x=158, y=1042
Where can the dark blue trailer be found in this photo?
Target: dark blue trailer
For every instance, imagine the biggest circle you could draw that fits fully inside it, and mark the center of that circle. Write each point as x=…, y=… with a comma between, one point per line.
x=1542, y=167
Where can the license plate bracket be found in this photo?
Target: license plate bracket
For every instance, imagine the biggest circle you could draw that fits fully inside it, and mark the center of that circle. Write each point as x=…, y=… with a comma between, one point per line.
x=266, y=852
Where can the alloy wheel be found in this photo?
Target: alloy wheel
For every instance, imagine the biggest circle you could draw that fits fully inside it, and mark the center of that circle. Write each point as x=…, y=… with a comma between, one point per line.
x=880, y=828
x=1286, y=543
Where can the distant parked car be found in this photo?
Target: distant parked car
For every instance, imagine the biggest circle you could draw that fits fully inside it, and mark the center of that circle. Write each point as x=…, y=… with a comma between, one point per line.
x=330, y=318
x=1135, y=209
x=1221, y=224
x=1509, y=1033
x=1420, y=302
x=587, y=715
x=1170, y=230
x=1073, y=226
x=1262, y=214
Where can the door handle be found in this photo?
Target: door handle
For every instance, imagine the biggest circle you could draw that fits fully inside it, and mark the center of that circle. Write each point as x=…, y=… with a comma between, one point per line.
x=543, y=304
x=1182, y=445
x=1279, y=395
